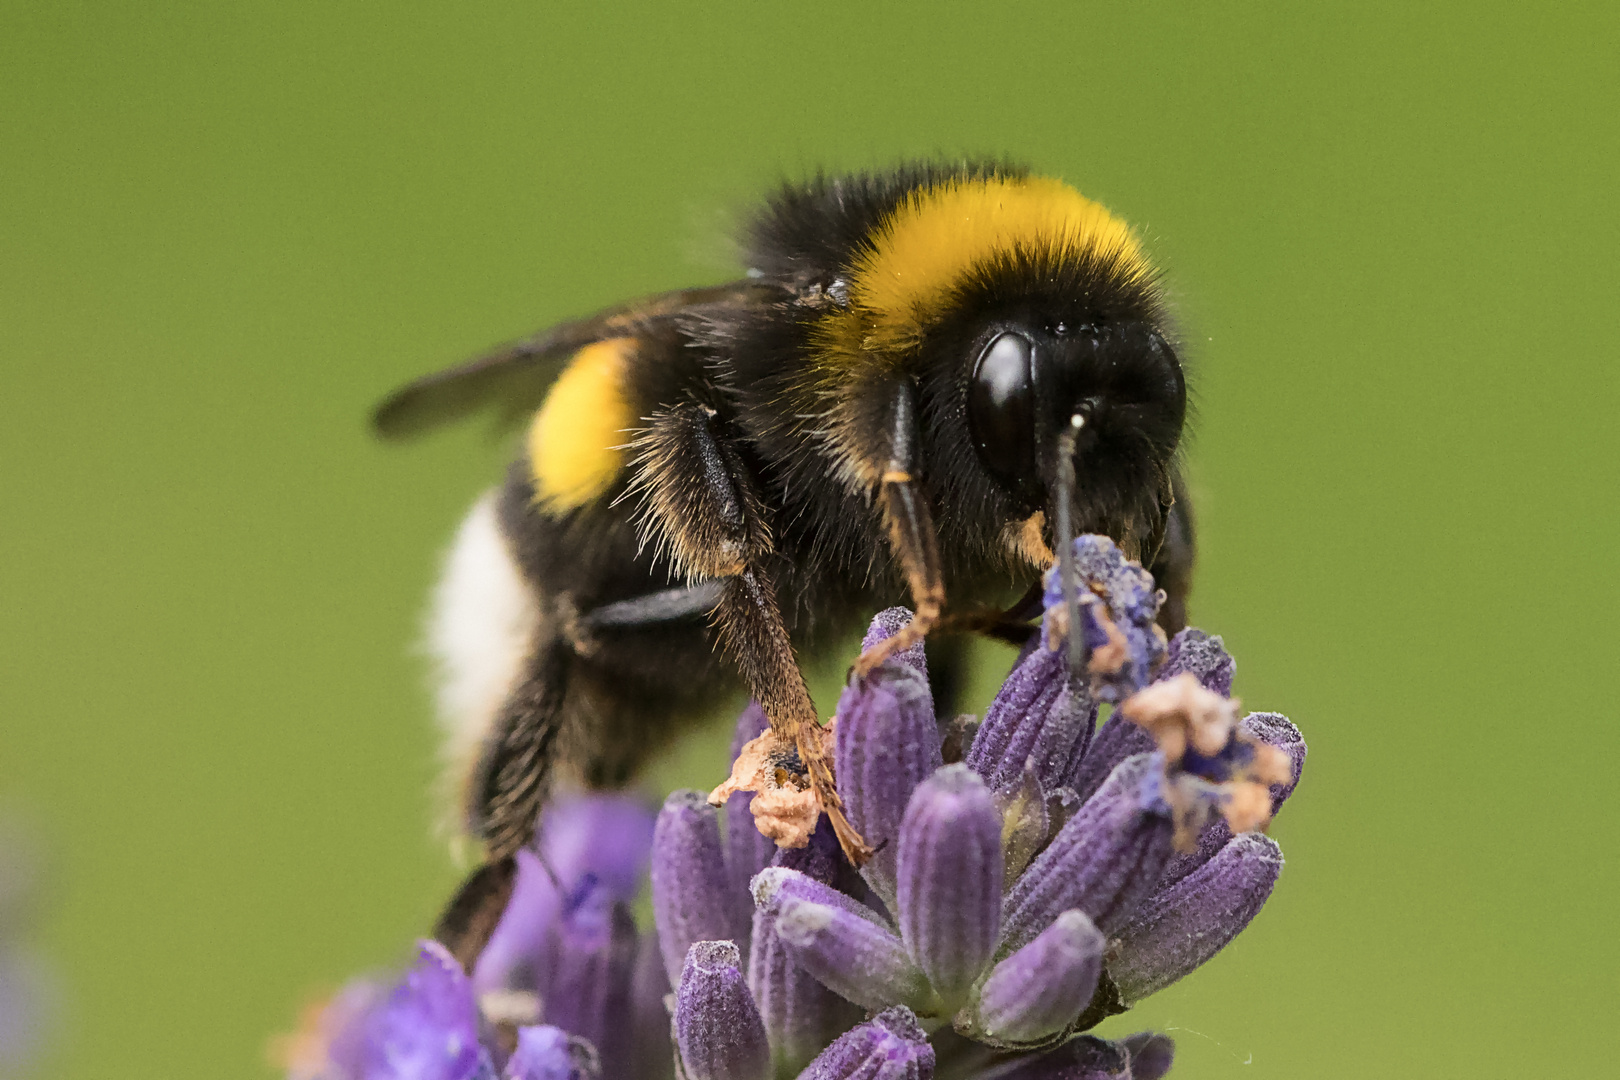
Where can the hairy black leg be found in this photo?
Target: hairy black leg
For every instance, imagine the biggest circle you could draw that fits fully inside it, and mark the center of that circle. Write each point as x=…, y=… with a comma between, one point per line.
x=465, y=925
x=1012, y=626
x=1172, y=566
x=504, y=797
x=512, y=778
x=702, y=508
x=511, y=782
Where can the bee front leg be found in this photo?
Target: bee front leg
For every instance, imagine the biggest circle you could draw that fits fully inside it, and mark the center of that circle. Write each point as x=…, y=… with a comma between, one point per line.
x=702, y=507
x=911, y=531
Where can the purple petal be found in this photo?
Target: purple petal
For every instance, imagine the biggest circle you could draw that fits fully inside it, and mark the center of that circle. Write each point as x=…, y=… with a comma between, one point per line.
x=950, y=879
x=1191, y=651
x=1151, y=1054
x=801, y=1015
x=550, y=1053
x=890, y=1046
x=1214, y=837
x=747, y=850
x=652, y=1048
x=344, y=1024
x=1118, y=604
x=428, y=1027
x=851, y=955
x=886, y=624
x=1114, y=742
x=607, y=836
x=1085, y=1058
x=887, y=743
x=690, y=899
x=1271, y=728
x=716, y=1025
x=820, y=860
x=751, y=724
x=1190, y=922
x=1041, y=989
x=1205, y=657
x=521, y=933
x=1041, y=715
x=778, y=883
x=1105, y=861
x=1277, y=730
x=588, y=965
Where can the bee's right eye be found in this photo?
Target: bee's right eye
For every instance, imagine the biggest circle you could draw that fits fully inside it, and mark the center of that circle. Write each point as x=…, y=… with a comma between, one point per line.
x=1001, y=409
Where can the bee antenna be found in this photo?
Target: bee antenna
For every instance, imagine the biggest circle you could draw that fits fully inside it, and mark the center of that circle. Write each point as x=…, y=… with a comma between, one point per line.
x=1063, y=523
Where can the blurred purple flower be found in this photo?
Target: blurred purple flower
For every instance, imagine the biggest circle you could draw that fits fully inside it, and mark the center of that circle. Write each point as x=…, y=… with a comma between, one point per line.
x=427, y=1028
x=1047, y=877
x=588, y=844
x=27, y=984
x=565, y=958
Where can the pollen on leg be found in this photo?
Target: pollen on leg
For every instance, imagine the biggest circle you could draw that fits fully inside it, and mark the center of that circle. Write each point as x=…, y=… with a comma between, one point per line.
x=785, y=806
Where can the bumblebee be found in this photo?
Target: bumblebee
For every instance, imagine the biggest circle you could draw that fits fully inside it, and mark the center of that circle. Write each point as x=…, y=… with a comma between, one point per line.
x=930, y=379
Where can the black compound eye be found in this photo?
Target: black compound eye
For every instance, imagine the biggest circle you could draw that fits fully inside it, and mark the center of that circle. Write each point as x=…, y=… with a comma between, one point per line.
x=1001, y=409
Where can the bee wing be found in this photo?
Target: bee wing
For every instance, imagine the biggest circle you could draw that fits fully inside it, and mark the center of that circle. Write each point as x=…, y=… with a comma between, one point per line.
x=515, y=377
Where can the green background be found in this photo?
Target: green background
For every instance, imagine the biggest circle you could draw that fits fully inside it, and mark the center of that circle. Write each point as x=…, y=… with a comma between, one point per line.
x=226, y=228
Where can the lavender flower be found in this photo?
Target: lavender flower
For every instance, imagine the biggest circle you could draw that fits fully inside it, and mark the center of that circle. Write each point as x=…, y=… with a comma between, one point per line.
x=1057, y=874
x=1032, y=877
x=591, y=850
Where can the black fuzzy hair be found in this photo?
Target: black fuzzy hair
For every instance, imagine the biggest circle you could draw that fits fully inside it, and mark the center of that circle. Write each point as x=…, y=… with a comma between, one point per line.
x=811, y=232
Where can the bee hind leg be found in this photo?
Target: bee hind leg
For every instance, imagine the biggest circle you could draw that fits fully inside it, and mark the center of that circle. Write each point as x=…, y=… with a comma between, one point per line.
x=465, y=925
x=511, y=781
x=507, y=790
x=513, y=774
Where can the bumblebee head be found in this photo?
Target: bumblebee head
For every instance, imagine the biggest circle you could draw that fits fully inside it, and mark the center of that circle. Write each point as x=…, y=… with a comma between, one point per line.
x=1076, y=416
x=1035, y=326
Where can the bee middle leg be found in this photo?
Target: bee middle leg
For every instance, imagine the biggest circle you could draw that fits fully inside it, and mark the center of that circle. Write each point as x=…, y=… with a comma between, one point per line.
x=1011, y=626
x=702, y=506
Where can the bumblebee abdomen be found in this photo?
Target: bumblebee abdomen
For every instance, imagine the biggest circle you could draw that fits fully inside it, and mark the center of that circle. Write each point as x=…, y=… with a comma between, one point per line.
x=575, y=445
x=480, y=632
